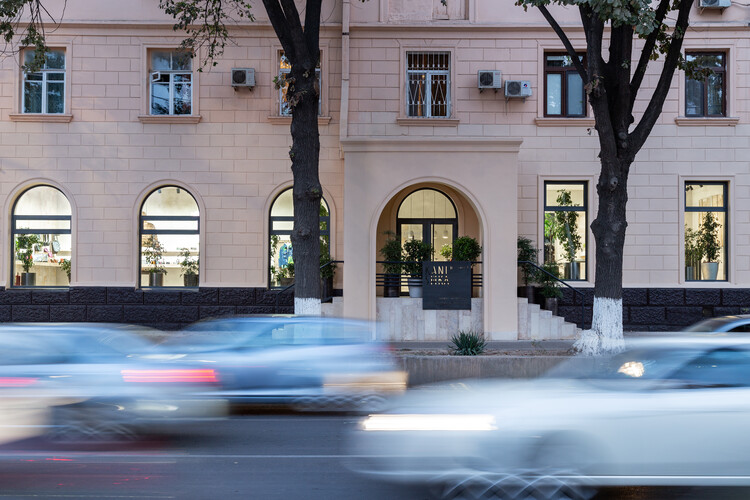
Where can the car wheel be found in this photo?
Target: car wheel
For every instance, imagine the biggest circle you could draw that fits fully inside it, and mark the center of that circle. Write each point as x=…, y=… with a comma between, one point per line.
x=558, y=471
x=76, y=424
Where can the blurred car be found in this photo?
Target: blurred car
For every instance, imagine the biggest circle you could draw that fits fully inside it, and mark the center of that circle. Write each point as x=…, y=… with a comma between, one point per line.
x=92, y=382
x=664, y=412
x=308, y=363
x=721, y=324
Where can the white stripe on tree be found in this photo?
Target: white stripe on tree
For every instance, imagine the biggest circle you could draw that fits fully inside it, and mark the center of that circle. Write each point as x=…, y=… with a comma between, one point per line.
x=605, y=335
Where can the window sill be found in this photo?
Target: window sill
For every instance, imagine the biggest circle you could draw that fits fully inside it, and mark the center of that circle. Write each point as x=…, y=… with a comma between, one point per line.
x=564, y=122
x=169, y=119
x=45, y=118
x=703, y=122
x=432, y=122
x=286, y=120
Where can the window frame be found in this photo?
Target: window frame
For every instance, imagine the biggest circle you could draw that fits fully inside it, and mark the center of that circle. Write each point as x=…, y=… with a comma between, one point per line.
x=15, y=231
x=427, y=104
x=724, y=87
x=583, y=276
x=171, y=84
x=282, y=88
x=725, y=229
x=563, y=71
x=44, y=82
x=142, y=231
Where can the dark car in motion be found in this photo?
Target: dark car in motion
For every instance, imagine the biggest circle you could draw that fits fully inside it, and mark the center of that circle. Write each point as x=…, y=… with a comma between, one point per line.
x=721, y=324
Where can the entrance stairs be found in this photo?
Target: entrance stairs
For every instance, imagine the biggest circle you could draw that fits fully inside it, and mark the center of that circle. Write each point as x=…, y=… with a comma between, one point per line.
x=535, y=323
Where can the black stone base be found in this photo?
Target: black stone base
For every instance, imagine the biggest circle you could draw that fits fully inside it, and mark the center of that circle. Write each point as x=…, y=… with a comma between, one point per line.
x=661, y=309
x=167, y=309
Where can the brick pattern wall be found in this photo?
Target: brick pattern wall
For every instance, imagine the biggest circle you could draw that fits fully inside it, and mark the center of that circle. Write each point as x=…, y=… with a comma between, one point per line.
x=163, y=309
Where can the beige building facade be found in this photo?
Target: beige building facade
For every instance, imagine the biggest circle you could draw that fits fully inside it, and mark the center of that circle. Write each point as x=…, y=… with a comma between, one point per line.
x=155, y=158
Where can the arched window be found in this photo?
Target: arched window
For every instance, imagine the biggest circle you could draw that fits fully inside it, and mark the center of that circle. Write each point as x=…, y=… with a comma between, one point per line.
x=281, y=268
x=169, y=236
x=40, y=232
x=428, y=215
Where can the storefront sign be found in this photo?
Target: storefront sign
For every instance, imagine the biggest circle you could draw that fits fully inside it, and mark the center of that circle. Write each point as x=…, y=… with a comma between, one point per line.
x=447, y=285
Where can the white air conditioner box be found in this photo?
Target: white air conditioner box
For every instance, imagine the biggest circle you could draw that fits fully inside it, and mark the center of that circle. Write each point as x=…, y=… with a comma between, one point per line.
x=243, y=77
x=517, y=88
x=715, y=4
x=489, y=79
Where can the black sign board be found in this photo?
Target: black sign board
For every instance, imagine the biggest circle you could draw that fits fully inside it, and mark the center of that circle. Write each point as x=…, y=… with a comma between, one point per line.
x=447, y=285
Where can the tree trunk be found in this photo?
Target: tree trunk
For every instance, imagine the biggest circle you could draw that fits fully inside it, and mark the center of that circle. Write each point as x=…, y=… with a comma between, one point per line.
x=303, y=96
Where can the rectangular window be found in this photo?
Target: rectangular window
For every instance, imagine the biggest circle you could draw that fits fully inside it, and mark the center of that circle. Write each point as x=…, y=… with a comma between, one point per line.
x=706, y=96
x=565, y=223
x=705, y=231
x=171, y=77
x=285, y=67
x=428, y=84
x=564, y=94
x=44, y=90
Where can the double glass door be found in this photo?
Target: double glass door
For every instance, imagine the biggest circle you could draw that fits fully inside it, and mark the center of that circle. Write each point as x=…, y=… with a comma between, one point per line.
x=436, y=232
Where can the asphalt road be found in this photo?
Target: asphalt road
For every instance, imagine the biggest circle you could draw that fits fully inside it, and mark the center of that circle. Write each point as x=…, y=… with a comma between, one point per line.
x=266, y=456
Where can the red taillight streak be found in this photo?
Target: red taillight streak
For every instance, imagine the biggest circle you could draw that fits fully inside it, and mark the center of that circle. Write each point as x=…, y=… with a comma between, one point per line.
x=151, y=376
x=16, y=381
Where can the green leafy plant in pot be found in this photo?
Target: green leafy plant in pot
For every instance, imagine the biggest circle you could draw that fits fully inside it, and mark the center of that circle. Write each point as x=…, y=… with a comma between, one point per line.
x=693, y=254
x=25, y=246
x=392, y=254
x=708, y=240
x=153, y=253
x=415, y=253
x=466, y=249
x=65, y=265
x=285, y=275
x=327, y=270
x=190, y=268
x=550, y=286
x=527, y=252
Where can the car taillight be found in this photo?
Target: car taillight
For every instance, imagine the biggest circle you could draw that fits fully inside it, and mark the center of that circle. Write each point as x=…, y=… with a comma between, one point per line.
x=17, y=381
x=191, y=376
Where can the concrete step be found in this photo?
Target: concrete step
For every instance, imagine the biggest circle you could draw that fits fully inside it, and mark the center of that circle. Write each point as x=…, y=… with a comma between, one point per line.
x=535, y=323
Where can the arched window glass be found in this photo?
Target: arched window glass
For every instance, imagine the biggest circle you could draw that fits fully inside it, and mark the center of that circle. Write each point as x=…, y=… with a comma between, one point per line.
x=428, y=215
x=42, y=244
x=169, y=235
x=281, y=268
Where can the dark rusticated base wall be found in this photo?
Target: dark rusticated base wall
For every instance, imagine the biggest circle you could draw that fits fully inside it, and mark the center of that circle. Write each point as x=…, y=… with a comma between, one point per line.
x=662, y=309
x=164, y=309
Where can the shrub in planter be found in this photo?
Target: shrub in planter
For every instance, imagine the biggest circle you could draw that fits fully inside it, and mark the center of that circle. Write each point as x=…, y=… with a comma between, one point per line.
x=415, y=253
x=529, y=253
x=190, y=268
x=466, y=248
x=550, y=287
x=392, y=253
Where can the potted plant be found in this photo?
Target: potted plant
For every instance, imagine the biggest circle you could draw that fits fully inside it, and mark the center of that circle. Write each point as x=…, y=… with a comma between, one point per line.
x=285, y=275
x=566, y=230
x=466, y=249
x=693, y=254
x=415, y=253
x=392, y=253
x=327, y=271
x=709, y=244
x=528, y=253
x=446, y=251
x=25, y=246
x=65, y=265
x=153, y=253
x=190, y=268
x=550, y=287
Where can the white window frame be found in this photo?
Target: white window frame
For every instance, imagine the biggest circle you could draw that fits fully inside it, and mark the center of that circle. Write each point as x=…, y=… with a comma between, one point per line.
x=429, y=74
x=45, y=72
x=286, y=110
x=171, y=84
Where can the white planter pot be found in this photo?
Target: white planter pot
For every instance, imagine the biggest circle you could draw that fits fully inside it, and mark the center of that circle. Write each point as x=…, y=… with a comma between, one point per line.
x=709, y=270
x=415, y=288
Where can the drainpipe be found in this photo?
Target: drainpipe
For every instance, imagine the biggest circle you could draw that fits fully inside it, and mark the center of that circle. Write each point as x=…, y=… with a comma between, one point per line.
x=344, y=109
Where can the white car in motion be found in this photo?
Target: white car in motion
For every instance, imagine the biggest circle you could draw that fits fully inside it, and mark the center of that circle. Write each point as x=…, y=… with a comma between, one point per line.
x=668, y=412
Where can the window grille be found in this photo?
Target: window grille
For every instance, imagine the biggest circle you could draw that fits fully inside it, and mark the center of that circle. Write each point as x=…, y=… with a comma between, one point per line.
x=428, y=84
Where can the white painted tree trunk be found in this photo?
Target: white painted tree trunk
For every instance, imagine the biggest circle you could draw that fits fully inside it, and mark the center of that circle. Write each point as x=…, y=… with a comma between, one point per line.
x=306, y=307
x=605, y=336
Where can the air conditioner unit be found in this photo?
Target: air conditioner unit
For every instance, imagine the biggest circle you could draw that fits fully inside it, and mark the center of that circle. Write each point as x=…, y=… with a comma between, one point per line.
x=517, y=88
x=715, y=4
x=489, y=79
x=243, y=77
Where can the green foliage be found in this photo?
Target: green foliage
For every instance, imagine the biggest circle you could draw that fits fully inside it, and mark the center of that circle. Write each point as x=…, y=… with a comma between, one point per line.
x=693, y=249
x=392, y=251
x=708, y=238
x=466, y=248
x=446, y=251
x=325, y=257
x=153, y=252
x=468, y=343
x=416, y=252
x=25, y=250
x=550, y=286
x=65, y=265
x=528, y=252
x=189, y=265
x=566, y=226
x=26, y=19
x=204, y=22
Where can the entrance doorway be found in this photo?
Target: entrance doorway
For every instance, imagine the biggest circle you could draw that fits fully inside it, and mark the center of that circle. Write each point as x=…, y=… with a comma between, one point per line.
x=428, y=215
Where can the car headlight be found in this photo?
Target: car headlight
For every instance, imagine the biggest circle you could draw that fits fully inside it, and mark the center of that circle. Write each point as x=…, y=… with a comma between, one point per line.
x=428, y=422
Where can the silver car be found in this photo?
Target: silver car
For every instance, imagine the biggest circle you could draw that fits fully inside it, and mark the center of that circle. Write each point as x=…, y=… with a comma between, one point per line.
x=309, y=363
